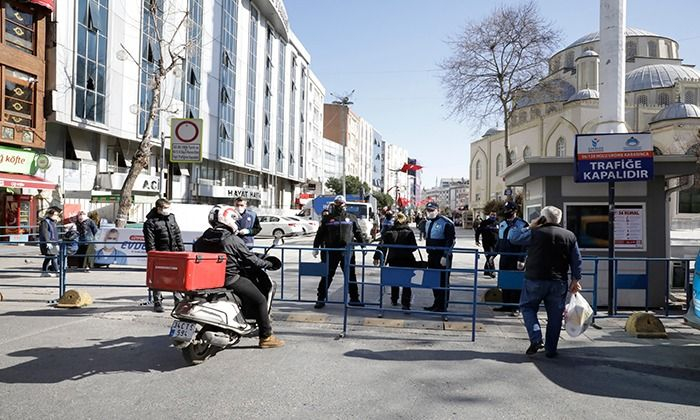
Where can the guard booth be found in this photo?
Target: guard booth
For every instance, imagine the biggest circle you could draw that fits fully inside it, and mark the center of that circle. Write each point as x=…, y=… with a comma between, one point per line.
x=642, y=225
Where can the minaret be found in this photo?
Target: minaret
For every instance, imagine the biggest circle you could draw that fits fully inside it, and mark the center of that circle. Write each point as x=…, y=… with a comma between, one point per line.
x=612, y=66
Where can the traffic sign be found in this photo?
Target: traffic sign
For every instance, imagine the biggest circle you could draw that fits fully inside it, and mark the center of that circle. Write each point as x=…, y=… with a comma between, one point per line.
x=186, y=140
x=620, y=157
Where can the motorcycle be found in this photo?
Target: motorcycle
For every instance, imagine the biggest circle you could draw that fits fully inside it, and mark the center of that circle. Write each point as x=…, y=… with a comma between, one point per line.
x=210, y=320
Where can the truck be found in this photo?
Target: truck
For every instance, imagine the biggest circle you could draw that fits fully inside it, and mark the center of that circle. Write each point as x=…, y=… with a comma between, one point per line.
x=363, y=209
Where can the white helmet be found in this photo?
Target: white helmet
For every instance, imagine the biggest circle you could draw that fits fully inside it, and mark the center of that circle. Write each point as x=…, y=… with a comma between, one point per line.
x=222, y=214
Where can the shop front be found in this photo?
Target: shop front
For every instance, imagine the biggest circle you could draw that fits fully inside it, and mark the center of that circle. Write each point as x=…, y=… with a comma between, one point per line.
x=20, y=192
x=214, y=194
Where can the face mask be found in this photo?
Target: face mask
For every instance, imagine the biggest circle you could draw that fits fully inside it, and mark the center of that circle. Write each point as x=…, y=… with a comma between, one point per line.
x=82, y=217
x=431, y=214
x=164, y=212
x=55, y=218
x=241, y=209
x=492, y=217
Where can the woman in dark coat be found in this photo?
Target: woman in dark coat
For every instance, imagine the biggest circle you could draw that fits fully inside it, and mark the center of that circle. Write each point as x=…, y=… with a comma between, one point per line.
x=48, y=237
x=399, y=234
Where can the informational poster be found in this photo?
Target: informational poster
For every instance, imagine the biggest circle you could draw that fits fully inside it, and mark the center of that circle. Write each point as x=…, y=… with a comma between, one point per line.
x=629, y=228
x=126, y=246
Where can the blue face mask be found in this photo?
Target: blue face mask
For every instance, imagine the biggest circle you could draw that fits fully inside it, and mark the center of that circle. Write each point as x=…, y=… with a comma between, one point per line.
x=492, y=217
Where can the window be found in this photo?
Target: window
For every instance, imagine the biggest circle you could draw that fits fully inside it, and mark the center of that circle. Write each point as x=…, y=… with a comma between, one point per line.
x=499, y=164
x=569, y=60
x=690, y=97
x=227, y=76
x=556, y=64
x=252, y=82
x=292, y=108
x=18, y=106
x=669, y=49
x=91, y=60
x=477, y=170
x=267, y=98
x=512, y=156
x=590, y=225
x=279, y=165
x=526, y=152
x=19, y=29
x=653, y=48
x=642, y=100
x=193, y=60
x=662, y=99
x=631, y=50
x=151, y=25
x=561, y=147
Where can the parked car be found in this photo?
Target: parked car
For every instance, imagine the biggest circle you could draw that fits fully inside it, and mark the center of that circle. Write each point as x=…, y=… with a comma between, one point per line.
x=309, y=226
x=279, y=226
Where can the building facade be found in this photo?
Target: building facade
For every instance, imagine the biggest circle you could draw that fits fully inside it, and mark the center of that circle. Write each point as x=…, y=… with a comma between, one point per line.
x=662, y=97
x=378, y=161
x=244, y=73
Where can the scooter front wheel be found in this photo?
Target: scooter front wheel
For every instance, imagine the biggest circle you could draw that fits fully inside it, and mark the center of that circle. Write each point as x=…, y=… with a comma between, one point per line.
x=198, y=351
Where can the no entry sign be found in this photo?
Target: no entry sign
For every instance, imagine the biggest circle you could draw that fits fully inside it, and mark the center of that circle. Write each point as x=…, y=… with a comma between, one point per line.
x=186, y=140
x=614, y=157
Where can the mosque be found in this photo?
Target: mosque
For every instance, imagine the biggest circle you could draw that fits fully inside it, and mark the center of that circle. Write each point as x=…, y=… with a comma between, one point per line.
x=661, y=97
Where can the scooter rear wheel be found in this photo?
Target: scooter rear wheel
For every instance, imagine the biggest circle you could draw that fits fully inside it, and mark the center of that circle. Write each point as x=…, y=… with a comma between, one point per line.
x=195, y=354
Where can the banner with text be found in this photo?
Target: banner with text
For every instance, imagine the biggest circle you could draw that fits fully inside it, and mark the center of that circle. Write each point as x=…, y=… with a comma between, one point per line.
x=614, y=157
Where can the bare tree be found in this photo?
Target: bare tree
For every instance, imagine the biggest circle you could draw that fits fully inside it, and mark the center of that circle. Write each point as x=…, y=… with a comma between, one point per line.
x=497, y=60
x=167, y=26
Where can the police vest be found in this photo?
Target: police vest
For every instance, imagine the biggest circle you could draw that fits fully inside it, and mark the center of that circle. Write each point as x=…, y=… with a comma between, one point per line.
x=247, y=221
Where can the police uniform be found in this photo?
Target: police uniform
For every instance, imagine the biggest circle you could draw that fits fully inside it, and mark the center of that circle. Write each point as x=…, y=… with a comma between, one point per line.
x=509, y=262
x=440, y=232
x=336, y=231
x=249, y=220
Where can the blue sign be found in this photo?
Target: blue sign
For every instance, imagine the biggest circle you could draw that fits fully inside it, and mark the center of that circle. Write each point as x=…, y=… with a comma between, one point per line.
x=614, y=157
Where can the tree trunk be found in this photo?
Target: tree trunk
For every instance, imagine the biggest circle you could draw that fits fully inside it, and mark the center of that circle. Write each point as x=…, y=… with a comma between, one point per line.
x=141, y=157
x=506, y=142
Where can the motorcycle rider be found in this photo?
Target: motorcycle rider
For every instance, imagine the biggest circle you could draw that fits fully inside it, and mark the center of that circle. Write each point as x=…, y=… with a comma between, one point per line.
x=222, y=237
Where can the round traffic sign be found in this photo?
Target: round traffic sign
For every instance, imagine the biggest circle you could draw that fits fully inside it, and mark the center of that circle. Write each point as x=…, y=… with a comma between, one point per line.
x=186, y=131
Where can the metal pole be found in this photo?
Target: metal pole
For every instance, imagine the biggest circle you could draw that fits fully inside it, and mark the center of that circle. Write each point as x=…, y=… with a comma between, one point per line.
x=161, y=176
x=611, y=244
x=345, y=144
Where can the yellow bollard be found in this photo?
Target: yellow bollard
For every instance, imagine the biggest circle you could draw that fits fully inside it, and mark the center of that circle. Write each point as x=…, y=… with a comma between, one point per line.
x=493, y=295
x=645, y=325
x=74, y=299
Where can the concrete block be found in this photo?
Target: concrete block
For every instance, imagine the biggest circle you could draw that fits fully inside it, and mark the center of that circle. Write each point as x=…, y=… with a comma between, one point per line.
x=74, y=299
x=645, y=325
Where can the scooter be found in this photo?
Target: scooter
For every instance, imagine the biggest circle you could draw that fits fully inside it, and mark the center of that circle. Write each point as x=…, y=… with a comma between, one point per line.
x=210, y=320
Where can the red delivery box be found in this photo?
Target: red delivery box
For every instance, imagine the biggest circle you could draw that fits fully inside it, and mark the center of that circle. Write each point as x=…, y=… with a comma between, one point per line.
x=185, y=271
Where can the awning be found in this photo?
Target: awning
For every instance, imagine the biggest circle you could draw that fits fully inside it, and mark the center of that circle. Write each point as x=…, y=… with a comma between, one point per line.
x=24, y=181
x=49, y=4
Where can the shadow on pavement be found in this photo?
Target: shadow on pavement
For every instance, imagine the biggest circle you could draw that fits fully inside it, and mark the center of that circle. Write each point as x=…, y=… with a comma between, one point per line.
x=618, y=372
x=127, y=354
x=57, y=312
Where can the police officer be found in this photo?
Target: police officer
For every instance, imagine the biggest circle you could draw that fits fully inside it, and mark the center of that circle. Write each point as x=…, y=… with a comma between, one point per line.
x=487, y=231
x=248, y=224
x=439, y=232
x=506, y=229
x=336, y=231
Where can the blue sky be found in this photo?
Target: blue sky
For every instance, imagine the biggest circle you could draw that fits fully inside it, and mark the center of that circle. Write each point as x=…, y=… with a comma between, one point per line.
x=389, y=50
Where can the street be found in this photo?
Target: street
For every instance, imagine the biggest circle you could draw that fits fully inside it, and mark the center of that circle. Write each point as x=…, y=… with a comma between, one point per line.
x=113, y=360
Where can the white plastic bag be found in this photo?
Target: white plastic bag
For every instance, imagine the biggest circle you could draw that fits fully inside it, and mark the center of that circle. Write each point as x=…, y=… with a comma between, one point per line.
x=578, y=314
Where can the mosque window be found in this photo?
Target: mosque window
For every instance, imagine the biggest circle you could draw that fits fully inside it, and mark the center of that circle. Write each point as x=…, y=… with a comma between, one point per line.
x=569, y=61
x=690, y=97
x=527, y=152
x=642, y=100
x=669, y=49
x=662, y=99
x=561, y=147
x=631, y=50
x=477, y=170
x=653, y=50
x=512, y=156
x=499, y=164
x=556, y=63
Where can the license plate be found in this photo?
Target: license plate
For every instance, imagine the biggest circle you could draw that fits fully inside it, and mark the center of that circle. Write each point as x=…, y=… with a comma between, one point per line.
x=182, y=330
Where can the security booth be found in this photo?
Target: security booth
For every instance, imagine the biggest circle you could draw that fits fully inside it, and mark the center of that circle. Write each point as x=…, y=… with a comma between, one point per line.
x=642, y=225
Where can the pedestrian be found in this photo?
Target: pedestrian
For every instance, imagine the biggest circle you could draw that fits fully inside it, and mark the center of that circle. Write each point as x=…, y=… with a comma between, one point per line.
x=221, y=237
x=476, y=223
x=512, y=257
x=248, y=224
x=87, y=229
x=48, y=242
x=420, y=225
x=399, y=234
x=161, y=233
x=71, y=239
x=387, y=221
x=337, y=230
x=487, y=230
x=551, y=252
x=439, y=240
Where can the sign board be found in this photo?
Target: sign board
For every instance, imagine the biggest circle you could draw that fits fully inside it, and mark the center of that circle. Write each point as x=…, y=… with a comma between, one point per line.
x=186, y=140
x=17, y=161
x=508, y=191
x=622, y=157
x=629, y=228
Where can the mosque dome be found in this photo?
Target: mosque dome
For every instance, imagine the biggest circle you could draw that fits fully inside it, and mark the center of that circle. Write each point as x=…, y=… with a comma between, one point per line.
x=491, y=131
x=595, y=36
x=584, y=94
x=555, y=90
x=677, y=111
x=656, y=76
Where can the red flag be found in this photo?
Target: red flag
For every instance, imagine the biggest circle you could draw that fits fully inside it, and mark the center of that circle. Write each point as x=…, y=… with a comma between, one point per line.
x=410, y=167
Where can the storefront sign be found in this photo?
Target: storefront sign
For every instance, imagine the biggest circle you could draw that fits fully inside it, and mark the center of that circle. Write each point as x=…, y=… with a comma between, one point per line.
x=17, y=161
x=221, y=191
x=614, y=157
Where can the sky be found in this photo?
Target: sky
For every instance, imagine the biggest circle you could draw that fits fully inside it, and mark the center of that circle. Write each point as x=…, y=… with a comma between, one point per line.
x=389, y=52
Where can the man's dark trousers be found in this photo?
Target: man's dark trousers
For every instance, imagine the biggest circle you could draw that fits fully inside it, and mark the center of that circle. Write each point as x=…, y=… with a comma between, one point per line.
x=335, y=258
x=442, y=295
x=553, y=293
